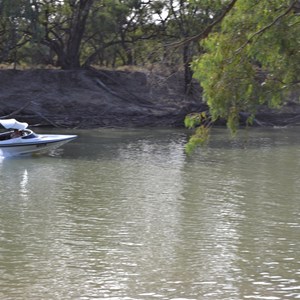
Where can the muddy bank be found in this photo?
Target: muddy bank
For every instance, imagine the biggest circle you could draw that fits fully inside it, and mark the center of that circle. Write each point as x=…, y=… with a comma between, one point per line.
x=90, y=98
x=93, y=98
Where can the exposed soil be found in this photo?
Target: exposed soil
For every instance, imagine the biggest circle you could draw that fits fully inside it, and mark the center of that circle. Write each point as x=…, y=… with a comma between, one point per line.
x=90, y=98
x=93, y=98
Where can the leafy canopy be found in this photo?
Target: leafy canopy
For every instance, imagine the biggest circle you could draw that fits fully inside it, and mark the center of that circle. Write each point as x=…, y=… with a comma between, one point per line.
x=253, y=59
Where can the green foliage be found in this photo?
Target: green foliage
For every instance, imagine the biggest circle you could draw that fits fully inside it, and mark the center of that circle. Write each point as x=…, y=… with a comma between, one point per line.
x=253, y=60
x=193, y=120
x=202, y=123
x=200, y=137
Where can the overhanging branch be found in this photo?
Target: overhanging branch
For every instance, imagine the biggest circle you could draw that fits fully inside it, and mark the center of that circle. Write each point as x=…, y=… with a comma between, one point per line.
x=203, y=34
x=262, y=30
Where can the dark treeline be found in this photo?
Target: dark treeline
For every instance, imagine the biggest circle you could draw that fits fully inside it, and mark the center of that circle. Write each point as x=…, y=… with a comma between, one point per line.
x=72, y=34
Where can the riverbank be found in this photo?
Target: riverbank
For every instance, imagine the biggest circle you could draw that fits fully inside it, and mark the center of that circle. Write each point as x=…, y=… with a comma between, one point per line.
x=93, y=98
x=104, y=98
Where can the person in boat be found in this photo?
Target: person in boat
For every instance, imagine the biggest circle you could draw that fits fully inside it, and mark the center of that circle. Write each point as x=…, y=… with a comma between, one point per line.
x=16, y=133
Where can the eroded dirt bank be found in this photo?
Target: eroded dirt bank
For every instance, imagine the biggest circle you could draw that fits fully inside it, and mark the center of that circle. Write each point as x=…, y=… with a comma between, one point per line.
x=93, y=98
x=90, y=98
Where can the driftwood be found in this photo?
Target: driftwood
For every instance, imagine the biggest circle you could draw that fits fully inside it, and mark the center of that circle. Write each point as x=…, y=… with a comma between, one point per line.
x=133, y=98
x=16, y=111
x=46, y=119
x=19, y=110
x=107, y=89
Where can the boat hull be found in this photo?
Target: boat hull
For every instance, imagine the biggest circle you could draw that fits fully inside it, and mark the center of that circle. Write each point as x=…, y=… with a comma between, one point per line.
x=39, y=144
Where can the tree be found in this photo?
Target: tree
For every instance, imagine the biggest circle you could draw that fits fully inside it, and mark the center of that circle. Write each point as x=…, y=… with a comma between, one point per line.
x=60, y=25
x=78, y=33
x=11, y=20
x=117, y=29
x=251, y=61
x=56, y=24
x=186, y=20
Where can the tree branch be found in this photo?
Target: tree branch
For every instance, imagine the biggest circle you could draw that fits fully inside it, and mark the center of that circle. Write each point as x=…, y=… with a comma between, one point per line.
x=208, y=29
x=16, y=111
x=262, y=30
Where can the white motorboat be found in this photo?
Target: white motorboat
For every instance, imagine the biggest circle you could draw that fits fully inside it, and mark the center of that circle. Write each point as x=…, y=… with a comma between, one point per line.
x=20, y=140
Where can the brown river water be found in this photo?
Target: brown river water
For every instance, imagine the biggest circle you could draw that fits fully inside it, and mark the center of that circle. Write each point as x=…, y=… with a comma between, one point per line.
x=126, y=214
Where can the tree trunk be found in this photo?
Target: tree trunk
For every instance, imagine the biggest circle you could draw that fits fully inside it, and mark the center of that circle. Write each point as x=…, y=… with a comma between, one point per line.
x=188, y=73
x=69, y=53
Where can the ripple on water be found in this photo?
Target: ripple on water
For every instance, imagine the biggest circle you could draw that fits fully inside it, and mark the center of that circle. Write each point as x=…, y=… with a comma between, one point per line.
x=137, y=219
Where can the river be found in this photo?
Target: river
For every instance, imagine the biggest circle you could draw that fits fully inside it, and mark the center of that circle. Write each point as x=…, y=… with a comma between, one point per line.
x=126, y=214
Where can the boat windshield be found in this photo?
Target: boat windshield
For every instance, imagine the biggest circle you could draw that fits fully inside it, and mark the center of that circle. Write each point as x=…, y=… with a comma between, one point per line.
x=29, y=134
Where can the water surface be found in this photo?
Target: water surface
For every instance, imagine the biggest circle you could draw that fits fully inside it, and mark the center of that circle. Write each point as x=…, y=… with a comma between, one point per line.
x=125, y=214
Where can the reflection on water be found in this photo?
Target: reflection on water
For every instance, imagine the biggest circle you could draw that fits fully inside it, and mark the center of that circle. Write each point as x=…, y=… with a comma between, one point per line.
x=126, y=215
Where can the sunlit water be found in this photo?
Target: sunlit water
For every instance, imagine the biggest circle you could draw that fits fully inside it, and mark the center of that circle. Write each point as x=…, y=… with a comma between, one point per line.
x=125, y=214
